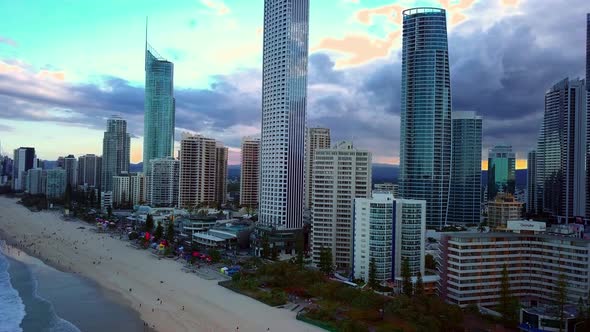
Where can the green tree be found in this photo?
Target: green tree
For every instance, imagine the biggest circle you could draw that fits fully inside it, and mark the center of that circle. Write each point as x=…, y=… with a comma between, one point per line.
x=430, y=262
x=170, y=232
x=92, y=197
x=373, y=274
x=406, y=278
x=419, y=287
x=110, y=211
x=159, y=231
x=509, y=305
x=215, y=255
x=561, y=298
x=274, y=253
x=149, y=223
x=265, y=252
x=325, y=264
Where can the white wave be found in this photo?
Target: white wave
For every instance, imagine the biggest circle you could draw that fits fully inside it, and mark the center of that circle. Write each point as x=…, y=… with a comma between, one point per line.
x=12, y=309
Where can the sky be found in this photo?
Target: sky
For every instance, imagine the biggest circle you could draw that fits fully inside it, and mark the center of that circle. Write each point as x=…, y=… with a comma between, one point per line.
x=68, y=65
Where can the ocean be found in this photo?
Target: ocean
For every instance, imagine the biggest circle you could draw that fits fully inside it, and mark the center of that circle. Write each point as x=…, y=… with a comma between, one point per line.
x=35, y=297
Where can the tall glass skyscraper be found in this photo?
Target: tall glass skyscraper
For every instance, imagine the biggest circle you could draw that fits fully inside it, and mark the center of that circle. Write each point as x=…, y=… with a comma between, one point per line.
x=284, y=99
x=465, y=198
x=425, y=145
x=501, y=171
x=588, y=115
x=115, y=151
x=158, y=133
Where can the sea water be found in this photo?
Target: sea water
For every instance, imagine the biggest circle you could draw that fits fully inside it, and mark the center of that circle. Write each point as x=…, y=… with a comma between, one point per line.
x=12, y=309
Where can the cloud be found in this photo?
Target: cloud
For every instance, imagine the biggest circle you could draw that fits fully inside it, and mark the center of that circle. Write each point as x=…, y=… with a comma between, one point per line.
x=8, y=41
x=6, y=129
x=218, y=6
x=359, y=49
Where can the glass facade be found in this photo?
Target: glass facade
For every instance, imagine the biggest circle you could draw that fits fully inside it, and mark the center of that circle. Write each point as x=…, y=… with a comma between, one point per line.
x=284, y=99
x=501, y=171
x=464, y=205
x=158, y=137
x=425, y=145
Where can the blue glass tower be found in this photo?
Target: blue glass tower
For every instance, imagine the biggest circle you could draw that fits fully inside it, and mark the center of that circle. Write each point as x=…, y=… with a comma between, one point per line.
x=425, y=144
x=284, y=99
x=158, y=134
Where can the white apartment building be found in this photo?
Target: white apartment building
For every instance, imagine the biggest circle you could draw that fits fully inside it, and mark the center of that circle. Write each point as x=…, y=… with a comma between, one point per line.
x=121, y=193
x=471, y=264
x=315, y=138
x=340, y=175
x=197, y=170
x=389, y=230
x=163, y=182
x=249, y=172
x=137, y=189
x=106, y=200
x=35, y=181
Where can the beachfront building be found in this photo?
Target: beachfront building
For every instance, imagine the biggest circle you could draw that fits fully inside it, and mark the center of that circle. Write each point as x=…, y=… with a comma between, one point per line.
x=71, y=167
x=470, y=264
x=340, y=175
x=315, y=138
x=197, y=171
x=221, y=157
x=106, y=200
x=284, y=100
x=121, y=188
x=226, y=234
x=159, y=108
x=137, y=189
x=89, y=171
x=249, y=172
x=389, y=231
x=163, y=182
x=24, y=160
x=503, y=208
x=56, y=181
x=465, y=197
x=5, y=170
x=115, y=151
x=35, y=181
x=501, y=171
x=425, y=142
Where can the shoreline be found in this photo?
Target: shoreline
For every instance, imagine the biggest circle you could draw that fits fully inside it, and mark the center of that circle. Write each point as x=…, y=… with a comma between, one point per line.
x=139, y=279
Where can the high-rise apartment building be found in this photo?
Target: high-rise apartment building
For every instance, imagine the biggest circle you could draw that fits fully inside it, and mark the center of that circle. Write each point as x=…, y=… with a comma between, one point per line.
x=24, y=160
x=587, y=209
x=137, y=189
x=115, y=151
x=425, y=144
x=340, y=175
x=121, y=186
x=465, y=198
x=89, y=171
x=389, y=231
x=284, y=99
x=532, y=202
x=501, y=171
x=249, y=172
x=564, y=150
x=315, y=138
x=159, y=108
x=197, y=171
x=502, y=208
x=71, y=167
x=56, y=182
x=35, y=181
x=221, y=157
x=163, y=182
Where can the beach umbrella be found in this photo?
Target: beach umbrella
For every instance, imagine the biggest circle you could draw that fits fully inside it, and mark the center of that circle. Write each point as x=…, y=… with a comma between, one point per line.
x=195, y=254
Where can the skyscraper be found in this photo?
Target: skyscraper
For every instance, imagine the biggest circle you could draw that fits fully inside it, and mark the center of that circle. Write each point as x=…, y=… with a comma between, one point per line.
x=71, y=167
x=425, y=145
x=159, y=107
x=221, y=157
x=24, y=160
x=89, y=170
x=249, y=172
x=341, y=174
x=284, y=99
x=465, y=198
x=115, y=151
x=564, y=154
x=197, y=171
x=56, y=183
x=315, y=138
x=531, y=183
x=588, y=115
x=501, y=171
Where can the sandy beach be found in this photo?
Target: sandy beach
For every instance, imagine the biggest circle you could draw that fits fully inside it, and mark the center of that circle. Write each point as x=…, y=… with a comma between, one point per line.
x=115, y=266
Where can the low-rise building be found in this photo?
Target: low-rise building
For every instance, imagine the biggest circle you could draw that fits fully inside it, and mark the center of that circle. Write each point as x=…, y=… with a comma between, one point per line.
x=470, y=264
x=231, y=235
x=503, y=208
x=106, y=200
